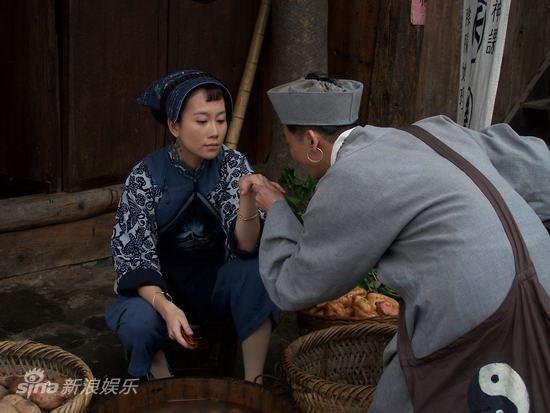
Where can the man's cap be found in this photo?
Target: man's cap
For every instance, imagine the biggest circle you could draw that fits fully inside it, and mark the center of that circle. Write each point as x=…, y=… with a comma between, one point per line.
x=167, y=94
x=317, y=100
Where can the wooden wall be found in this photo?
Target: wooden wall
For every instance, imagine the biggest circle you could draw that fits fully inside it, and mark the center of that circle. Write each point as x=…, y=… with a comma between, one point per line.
x=374, y=42
x=412, y=72
x=527, y=47
x=438, y=76
x=76, y=68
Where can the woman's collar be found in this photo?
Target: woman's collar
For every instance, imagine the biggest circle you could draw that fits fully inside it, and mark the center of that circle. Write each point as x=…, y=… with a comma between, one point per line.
x=178, y=162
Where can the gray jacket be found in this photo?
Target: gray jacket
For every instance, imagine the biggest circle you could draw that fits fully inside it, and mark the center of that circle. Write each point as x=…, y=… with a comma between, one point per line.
x=390, y=201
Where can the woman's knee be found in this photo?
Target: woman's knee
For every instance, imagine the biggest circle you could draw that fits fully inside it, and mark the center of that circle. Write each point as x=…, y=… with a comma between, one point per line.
x=140, y=321
x=237, y=272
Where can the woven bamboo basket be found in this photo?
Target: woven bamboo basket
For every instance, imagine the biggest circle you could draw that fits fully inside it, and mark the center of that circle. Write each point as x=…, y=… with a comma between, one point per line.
x=308, y=323
x=337, y=369
x=18, y=357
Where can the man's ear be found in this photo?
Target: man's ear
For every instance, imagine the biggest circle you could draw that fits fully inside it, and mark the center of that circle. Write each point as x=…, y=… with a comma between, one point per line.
x=173, y=128
x=312, y=138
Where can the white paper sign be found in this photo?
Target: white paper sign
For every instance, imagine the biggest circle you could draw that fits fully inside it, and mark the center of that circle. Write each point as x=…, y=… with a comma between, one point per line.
x=484, y=24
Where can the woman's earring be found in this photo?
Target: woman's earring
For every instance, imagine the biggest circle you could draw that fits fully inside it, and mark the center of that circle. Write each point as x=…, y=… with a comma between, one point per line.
x=308, y=156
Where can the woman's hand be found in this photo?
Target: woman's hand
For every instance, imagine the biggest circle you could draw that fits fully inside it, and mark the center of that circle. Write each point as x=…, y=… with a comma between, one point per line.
x=177, y=325
x=248, y=181
x=267, y=193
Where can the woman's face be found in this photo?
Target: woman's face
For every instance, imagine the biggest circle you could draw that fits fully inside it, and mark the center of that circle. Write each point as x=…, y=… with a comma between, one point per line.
x=201, y=129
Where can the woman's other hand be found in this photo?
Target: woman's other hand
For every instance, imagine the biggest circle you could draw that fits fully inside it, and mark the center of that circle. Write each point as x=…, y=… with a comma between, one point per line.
x=177, y=325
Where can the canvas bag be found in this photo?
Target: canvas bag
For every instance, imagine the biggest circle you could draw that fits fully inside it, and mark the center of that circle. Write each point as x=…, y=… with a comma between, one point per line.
x=501, y=365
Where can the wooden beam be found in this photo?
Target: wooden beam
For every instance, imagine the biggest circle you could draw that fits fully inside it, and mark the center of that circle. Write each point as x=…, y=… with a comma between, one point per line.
x=55, y=246
x=40, y=210
x=518, y=102
x=540, y=104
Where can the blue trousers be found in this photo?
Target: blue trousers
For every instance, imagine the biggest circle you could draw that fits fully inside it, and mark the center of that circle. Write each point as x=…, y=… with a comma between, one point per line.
x=238, y=293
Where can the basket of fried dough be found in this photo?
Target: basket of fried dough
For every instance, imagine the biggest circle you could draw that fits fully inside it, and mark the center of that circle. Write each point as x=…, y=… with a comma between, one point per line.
x=358, y=305
x=37, y=378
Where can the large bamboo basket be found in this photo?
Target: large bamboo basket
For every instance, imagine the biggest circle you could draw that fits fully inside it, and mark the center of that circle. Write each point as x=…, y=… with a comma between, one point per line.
x=18, y=357
x=308, y=323
x=337, y=369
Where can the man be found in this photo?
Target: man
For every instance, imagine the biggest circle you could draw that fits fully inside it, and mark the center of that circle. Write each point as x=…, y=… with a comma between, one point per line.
x=387, y=199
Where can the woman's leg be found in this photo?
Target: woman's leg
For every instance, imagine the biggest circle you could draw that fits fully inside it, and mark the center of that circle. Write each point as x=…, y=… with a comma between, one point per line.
x=239, y=287
x=142, y=331
x=255, y=351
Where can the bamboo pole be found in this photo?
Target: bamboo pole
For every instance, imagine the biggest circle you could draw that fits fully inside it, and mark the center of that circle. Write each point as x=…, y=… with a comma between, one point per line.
x=233, y=135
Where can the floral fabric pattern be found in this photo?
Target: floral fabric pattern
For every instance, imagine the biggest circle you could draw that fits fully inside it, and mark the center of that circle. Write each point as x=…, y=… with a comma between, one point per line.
x=134, y=236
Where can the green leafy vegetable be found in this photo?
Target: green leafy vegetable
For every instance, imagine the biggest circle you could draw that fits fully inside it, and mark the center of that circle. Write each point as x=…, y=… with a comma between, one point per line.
x=372, y=285
x=299, y=191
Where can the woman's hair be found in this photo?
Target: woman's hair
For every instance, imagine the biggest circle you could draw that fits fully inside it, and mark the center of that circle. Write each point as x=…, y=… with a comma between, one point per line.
x=330, y=132
x=213, y=93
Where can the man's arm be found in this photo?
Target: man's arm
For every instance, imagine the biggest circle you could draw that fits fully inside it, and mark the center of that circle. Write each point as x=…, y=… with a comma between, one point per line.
x=347, y=227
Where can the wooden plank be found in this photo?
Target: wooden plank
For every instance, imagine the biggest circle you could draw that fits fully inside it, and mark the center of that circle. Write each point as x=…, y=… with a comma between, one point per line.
x=527, y=47
x=215, y=37
x=40, y=210
x=352, y=29
x=438, y=80
x=540, y=104
x=54, y=246
x=112, y=51
x=530, y=90
x=395, y=74
x=29, y=119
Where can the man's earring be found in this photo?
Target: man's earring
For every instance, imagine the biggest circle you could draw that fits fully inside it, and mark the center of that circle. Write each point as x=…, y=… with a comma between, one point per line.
x=309, y=158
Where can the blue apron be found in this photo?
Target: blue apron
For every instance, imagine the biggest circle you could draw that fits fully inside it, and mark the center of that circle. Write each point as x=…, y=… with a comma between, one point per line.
x=191, y=242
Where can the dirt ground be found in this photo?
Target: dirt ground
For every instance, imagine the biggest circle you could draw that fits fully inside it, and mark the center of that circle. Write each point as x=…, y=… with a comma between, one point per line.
x=65, y=306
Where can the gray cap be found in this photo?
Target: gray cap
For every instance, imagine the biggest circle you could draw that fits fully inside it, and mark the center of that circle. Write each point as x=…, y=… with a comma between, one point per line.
x=318, y=101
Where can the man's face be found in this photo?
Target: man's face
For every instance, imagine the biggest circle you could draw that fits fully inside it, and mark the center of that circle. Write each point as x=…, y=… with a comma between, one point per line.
x=298, y=147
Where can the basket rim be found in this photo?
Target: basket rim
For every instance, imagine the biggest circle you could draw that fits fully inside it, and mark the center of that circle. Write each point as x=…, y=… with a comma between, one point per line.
x=310, y=381
x=28, y=348
x=380, y=318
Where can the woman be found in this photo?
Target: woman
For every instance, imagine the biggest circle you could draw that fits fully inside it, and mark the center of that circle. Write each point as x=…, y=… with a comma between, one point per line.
x=388, y=199
x=186, y=234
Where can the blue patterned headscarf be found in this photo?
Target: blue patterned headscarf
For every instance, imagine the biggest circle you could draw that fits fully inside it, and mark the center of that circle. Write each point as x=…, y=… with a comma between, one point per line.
x=166, y=95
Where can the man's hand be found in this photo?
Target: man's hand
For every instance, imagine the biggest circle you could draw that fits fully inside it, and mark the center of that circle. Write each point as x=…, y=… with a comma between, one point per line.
x=267, y=193
x=247, y=181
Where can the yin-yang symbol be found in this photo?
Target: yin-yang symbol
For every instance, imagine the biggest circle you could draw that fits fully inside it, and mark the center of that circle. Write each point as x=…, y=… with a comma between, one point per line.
x=498, y=388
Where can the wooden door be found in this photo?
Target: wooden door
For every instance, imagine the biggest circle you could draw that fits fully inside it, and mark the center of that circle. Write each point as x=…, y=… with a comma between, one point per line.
x=30, y=144
x=112, y=51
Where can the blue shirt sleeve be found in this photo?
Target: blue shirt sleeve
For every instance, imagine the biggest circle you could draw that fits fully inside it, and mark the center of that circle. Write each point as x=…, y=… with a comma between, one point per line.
x=225, y=197
x=134, y=237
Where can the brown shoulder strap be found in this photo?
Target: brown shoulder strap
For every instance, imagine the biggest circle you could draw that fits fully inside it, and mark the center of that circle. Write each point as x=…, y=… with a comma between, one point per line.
x=521, y=255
